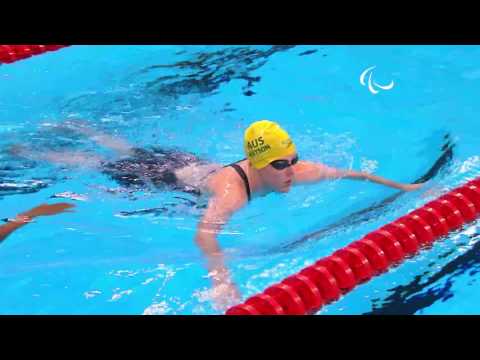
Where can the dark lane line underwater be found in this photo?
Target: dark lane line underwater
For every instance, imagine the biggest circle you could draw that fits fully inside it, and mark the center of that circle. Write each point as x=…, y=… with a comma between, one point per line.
x=409, y=299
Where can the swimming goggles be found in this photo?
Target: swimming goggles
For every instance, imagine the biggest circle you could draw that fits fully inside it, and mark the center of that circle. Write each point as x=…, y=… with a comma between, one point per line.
x=283, y=164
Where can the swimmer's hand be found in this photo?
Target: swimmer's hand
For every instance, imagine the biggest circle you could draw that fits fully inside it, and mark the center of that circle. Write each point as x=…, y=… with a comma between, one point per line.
x=48, y=209
x=411, y=187
x=224, y=292
x=225, y=295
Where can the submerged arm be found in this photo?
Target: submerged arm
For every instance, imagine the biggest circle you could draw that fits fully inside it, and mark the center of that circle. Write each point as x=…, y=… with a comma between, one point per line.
x=216, y=215
x=220, y=209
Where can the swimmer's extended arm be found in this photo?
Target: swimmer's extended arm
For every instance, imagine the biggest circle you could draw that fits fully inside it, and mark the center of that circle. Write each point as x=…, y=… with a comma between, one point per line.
x=306, y=172
x=26, y=217
x=356, y=175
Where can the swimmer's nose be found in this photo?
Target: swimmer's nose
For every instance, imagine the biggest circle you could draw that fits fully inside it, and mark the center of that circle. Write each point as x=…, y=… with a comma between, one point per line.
x=289, y=172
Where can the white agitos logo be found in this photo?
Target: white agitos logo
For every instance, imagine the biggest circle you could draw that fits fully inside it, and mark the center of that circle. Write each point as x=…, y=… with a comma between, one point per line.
x=372, y=85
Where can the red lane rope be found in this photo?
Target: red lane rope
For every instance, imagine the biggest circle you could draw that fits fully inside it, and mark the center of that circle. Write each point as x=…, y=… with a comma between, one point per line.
x=325, y=281
x=12, y=53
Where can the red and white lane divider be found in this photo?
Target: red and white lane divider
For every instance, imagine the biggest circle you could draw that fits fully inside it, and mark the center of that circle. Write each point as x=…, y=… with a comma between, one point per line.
x=12, y=53
x=325, y=281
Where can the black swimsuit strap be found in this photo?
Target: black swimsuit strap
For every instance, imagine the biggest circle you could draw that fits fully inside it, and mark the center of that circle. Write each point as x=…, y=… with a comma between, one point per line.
x=244, y=177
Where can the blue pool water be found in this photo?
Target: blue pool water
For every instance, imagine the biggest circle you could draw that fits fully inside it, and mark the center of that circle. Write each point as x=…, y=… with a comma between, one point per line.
x=109, y=257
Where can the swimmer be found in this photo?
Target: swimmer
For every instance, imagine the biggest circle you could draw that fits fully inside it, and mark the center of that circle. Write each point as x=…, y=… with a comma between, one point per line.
x=272, y=164
x=28, y=216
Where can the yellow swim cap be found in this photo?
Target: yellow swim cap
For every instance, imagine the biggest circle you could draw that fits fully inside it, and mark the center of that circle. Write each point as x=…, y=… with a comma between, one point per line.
x=265, y=141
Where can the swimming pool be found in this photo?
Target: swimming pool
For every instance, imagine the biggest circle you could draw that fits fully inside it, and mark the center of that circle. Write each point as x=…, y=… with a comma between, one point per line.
x=133, y=253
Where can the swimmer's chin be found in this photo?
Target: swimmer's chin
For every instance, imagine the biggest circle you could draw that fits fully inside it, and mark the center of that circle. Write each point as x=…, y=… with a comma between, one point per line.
x=284, y=189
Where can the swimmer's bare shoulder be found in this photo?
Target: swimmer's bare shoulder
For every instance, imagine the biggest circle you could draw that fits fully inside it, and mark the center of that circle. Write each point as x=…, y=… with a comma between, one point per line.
x=226, y=183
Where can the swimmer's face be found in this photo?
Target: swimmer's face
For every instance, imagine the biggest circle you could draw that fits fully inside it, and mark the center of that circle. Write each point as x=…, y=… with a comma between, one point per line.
x=279, y=174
